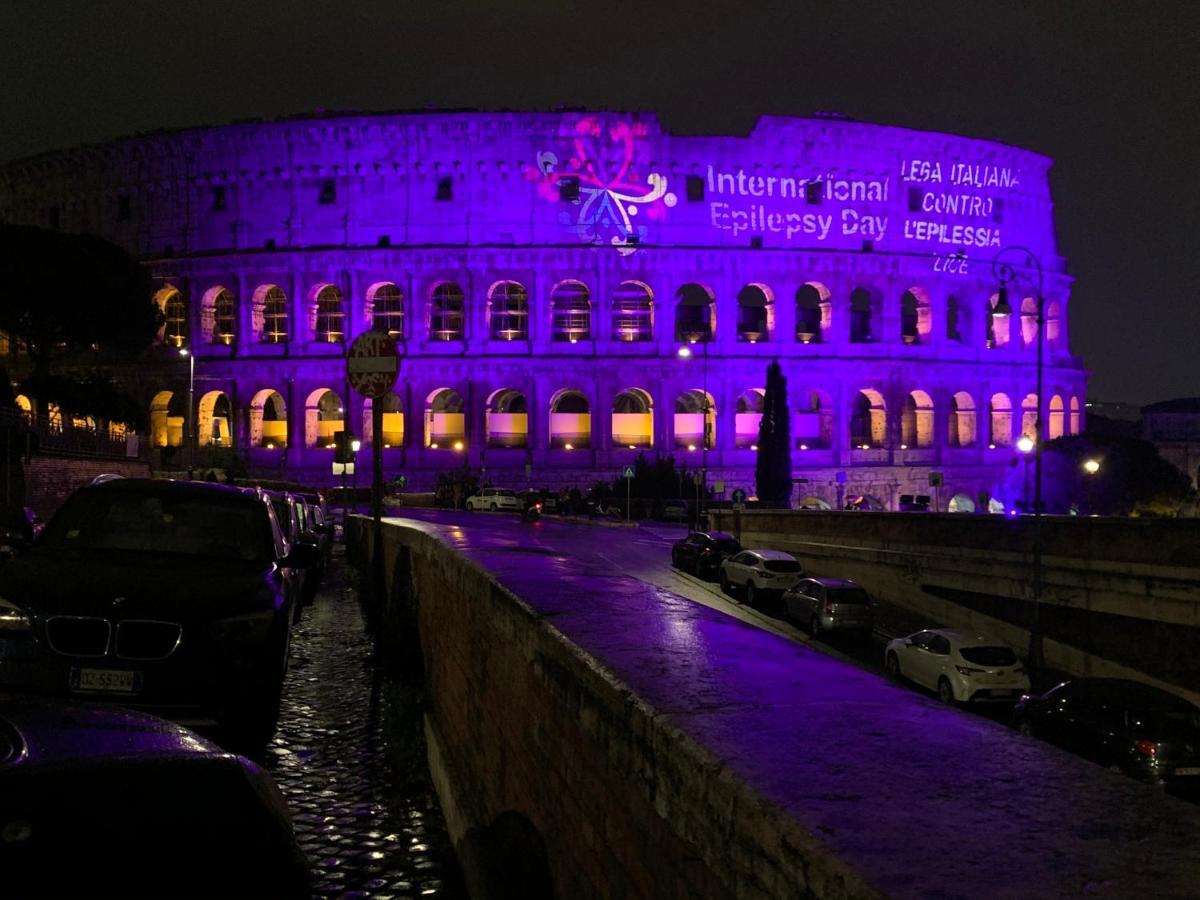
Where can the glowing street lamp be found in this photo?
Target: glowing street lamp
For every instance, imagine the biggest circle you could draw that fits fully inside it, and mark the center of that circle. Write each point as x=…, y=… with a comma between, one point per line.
x=1091, y=467
x=1026, y=445
x=190, y=423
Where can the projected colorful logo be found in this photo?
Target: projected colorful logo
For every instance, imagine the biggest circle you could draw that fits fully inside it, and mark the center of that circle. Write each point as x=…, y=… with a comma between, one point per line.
x=601, y=179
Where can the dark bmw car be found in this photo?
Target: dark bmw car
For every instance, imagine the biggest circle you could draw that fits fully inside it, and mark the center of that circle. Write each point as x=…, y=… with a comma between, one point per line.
x=171, y=596
x=702, y=552
x=100, y=801
x=1147, y=733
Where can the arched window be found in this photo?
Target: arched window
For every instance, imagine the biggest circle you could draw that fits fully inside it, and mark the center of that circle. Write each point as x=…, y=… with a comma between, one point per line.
x=268, y=420
x=167, y=415
x=214, y=421
x=224, y=311
x=1029, y=417
x=916, y=421
x=633, y=312
x=1000, y=428
x=507, y=419
x=868, y=420
x=323, y=418
x=271, y=314
x=329, y=324
x=695, y=314
x=998, y=322
x=385, y=309
x=756, y=314
x=445, y=424
x=26, y=407
x=1075, y=423
x=393, y=421
x=570, y=312
x=446, y=313
x=633, y=419
x=916, y=320
x=812, y=426
x=814, y=313
x=1053, y=324
x=175, y=326
x=749, y=415
x=508, y=311
x=1029, y=321
x=1057, y=418
x=957, y=323
x=695, y=420
x=863, y=313
x=570, y=421
x=962, y=420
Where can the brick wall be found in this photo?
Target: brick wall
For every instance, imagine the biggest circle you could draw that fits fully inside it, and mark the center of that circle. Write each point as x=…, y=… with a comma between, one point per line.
x=49, y=480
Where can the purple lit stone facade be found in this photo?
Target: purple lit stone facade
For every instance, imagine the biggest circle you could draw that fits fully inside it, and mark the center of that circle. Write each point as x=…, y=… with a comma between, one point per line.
x=587, y=249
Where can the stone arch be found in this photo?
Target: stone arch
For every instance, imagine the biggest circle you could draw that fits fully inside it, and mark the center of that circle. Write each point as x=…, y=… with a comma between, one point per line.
x=268, y=420
x=166, y=419
x=507, y=419
x=324, y=416
x=24, y=405
x=269, y=313
x=812, y=425
x=327, y=314
x=632, y=312
x=695, y=314
x=868, y=420
x=755, y=314
x=1029, y=321
x=814, y=313
x=633, y=419
x=218, y=317
x=385, y=309
x=961, y=503
x=445, y=422
x=447, y=312
x=695, y=420
x=1029, y=417
x=214, y=420
x=570, y=312
x=393, y=420
x=999, y=322
x=1057, y=419
x=508, y=311
x=962, y=426
x=570, y=420
x=1074, y=423
x=174, y=330
x=747, y=418
x=916, y=316
x=1054, y=324
x=916, y=421
x=865, y=315
x=1000, y=427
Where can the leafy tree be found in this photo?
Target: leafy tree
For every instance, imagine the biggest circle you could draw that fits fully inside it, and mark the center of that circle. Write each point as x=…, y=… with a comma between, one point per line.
x=1132, y=479
x=67, y=296
x=773, y=466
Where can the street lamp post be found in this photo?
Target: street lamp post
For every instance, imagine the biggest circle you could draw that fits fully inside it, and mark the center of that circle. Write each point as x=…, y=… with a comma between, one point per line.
x=1026, y=445
x=1020, y=266
x=1091, y=467
x=190, y=422
x=702, y=486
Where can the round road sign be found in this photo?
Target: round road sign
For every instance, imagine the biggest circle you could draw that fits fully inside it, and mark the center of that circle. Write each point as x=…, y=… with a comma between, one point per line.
x=372, y=363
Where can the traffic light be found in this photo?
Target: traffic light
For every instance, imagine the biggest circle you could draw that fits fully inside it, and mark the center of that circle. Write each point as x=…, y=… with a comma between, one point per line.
x=343, y=447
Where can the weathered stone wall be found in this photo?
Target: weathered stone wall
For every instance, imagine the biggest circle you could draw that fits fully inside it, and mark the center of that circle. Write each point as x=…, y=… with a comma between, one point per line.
x=1119, y=596
x=49, y=480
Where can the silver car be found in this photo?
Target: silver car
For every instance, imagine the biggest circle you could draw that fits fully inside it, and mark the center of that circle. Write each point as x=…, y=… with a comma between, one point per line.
x=829, y=604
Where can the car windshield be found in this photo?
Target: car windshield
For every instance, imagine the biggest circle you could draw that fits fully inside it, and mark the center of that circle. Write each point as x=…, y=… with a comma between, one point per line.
x=505, y=494
x=231, y=527
x=848, y=595
x=788, y=566
x=989, y=656
x=728, y=545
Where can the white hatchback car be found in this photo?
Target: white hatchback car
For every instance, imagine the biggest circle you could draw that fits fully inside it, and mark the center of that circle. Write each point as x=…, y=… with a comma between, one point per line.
x=760, y=571
x=494, y=499
x=961, y=667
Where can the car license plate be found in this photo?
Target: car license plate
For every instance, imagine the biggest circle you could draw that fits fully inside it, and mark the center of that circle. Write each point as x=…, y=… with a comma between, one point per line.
x=1188, y=770
x=115, y=681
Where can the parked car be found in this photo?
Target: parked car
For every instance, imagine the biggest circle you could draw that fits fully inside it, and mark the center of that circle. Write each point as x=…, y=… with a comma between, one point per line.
x=829, y=604
x=760, y=572
x=675, y=511
x=961, y=667
x=702, y=552
x=494, y=500
x=1143, y=731
x=101, y=801
x=294, y=518
x=162, y=595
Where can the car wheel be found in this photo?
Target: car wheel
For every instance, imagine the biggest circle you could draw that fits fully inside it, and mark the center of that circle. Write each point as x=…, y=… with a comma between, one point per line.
x=814, y=626
x=726, y=587
x=1025, y=727
x=751, y=594
x=946, y=692
x=891, y=666
x=493, y=508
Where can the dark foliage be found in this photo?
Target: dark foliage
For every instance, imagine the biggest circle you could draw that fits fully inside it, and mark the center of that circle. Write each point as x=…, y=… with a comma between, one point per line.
x=773, y=466
x=1133, y=477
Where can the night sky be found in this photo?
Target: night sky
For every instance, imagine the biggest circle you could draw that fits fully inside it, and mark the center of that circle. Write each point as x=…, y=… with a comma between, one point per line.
x=1111, y=90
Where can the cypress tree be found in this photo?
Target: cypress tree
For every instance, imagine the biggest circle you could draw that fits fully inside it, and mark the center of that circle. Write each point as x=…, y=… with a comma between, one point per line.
x=773, y=467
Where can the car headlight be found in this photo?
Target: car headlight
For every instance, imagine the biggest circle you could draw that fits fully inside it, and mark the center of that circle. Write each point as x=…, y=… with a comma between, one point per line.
x=14, y=621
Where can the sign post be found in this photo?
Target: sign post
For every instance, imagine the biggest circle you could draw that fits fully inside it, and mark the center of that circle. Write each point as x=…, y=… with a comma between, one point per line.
x=628, y=476
x=372, y=365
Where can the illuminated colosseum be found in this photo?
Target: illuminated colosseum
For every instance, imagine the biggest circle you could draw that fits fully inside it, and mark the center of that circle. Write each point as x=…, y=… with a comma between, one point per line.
x=541, y=273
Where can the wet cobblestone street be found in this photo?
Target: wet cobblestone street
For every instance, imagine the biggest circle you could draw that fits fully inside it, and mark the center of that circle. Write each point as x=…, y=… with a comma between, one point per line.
x=349, y=756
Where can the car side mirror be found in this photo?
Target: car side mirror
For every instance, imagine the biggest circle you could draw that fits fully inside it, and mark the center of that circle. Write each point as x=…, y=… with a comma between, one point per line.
x=302, y=556
x=310, y=537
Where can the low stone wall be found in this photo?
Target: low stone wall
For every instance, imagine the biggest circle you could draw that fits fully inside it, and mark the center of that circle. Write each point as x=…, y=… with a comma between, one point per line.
x=592, y=736
x=1120, y=597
